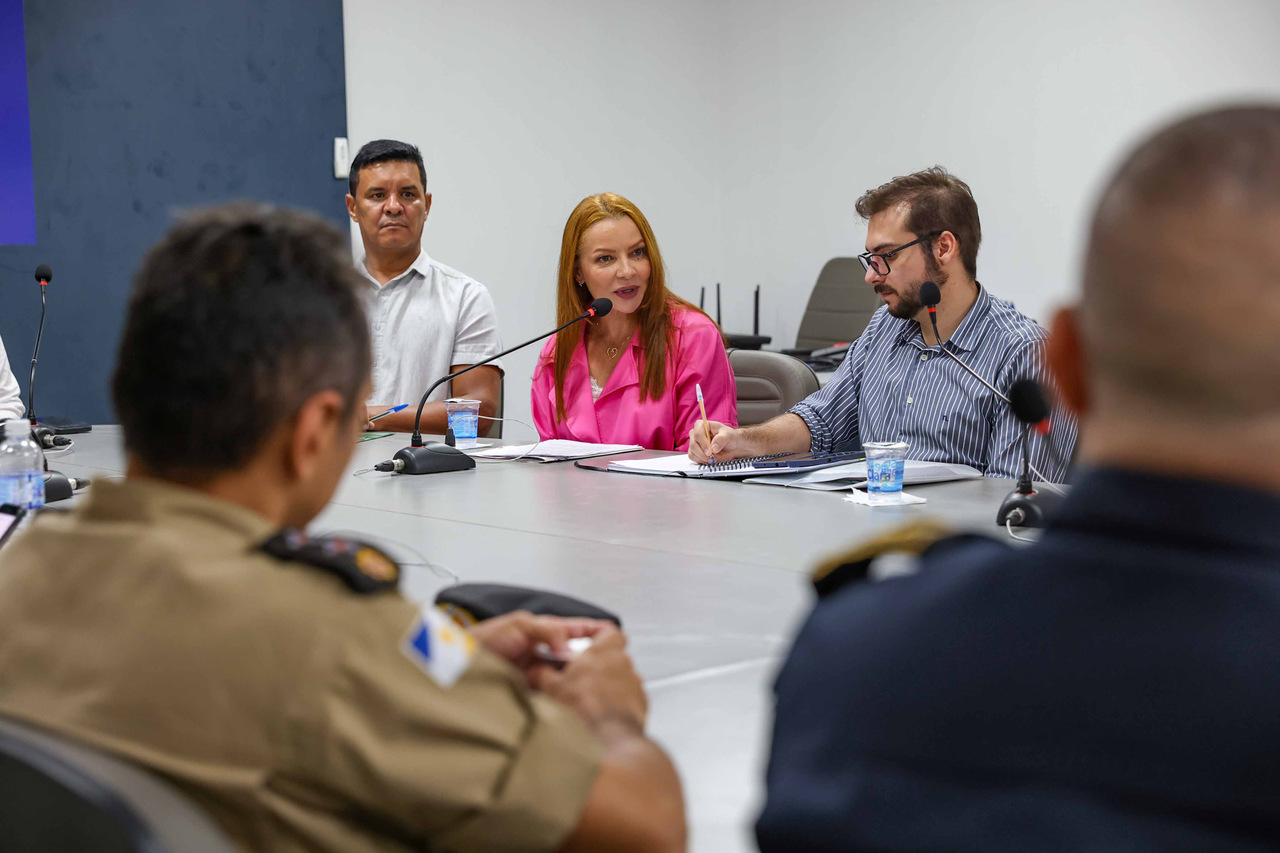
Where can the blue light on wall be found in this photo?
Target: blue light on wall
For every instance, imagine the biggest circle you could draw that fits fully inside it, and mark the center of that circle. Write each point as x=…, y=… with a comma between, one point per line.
x=17, y=185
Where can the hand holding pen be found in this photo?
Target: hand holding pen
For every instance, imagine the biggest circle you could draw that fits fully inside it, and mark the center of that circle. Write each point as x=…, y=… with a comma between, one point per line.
x=380, y=416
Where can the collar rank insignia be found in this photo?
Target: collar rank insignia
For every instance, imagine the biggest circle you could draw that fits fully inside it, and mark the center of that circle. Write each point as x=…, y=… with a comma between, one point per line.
x=362, y=567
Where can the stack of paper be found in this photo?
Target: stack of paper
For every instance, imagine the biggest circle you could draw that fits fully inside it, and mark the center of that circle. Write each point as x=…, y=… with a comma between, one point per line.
x=553, y=450
x=854, y=475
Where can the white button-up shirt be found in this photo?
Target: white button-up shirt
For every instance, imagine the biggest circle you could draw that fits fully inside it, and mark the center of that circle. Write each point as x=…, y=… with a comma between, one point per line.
x=10, y=397
x=425, y=320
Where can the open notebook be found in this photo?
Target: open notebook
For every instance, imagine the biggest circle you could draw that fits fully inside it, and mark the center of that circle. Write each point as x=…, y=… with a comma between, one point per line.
x=854, y=475
x=680, y=465
x=553, y=450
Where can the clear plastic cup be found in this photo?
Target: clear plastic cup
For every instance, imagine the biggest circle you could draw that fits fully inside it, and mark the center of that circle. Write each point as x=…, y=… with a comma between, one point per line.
x=464, y=420
x=885, y=463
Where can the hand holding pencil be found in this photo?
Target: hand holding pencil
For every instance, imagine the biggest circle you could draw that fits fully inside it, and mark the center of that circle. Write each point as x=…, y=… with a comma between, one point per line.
x=702, y=407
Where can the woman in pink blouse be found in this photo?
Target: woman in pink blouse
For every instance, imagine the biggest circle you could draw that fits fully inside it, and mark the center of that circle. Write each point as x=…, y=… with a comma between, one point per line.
x=628, y=377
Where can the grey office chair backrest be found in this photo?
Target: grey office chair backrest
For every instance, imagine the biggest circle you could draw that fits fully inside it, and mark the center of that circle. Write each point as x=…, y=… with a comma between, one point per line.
x=59, y=795
x=840, y=306
x=769, y=383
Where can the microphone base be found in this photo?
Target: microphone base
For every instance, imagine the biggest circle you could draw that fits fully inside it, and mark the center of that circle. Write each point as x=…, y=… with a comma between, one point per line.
x=433, y=457
x=1033, y=510
x=56, y=487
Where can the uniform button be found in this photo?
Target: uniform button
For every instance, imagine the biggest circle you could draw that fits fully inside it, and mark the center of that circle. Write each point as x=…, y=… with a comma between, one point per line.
x=910, y=400
x=924, y=356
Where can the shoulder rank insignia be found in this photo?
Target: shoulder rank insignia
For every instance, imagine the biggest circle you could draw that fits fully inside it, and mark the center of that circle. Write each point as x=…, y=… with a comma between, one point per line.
x=361, y=566
x=855, y=564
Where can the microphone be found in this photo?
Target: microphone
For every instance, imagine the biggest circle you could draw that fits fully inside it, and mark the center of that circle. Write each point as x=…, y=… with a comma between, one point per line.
x=435, y=457
x=44, y=275
x=59, y=424
x=1024, y=506
x=930, y=296
x=46, y=438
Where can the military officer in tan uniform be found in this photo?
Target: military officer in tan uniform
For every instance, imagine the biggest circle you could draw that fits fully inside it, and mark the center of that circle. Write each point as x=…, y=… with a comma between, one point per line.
x=180, y=620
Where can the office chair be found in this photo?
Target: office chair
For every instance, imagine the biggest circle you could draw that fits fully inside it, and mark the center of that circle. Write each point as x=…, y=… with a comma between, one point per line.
x=840, y=307
x=769, y=383
x=58, y=795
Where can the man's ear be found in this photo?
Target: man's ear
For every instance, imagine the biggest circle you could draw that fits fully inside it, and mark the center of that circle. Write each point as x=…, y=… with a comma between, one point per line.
x=317, y=428
x=1065, y=356
x=426, y=205
x=351, y=207
x=945, y=247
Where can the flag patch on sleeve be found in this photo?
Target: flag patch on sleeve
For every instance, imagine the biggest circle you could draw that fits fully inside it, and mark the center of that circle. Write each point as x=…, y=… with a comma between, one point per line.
x=439, y=647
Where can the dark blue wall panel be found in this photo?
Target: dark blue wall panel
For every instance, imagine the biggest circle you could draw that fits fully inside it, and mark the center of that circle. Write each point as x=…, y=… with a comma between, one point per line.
x=17, y=193
x=140, y=109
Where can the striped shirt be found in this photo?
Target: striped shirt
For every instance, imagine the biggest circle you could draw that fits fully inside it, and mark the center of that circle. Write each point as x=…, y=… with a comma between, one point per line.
x=892, y=387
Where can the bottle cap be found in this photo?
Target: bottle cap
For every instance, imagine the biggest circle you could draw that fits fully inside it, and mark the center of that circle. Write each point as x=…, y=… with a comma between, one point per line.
x=18, y=425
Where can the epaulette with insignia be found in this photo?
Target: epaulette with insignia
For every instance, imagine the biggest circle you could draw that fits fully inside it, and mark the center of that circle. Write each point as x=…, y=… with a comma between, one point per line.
x=854, y=565
x=361, y=566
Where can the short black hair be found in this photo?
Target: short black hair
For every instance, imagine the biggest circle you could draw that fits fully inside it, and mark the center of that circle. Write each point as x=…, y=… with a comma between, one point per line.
x=237, y=316
x=385, y=151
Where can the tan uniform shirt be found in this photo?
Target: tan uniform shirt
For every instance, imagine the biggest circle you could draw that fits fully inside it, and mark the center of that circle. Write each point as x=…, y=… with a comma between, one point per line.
x=148, y=623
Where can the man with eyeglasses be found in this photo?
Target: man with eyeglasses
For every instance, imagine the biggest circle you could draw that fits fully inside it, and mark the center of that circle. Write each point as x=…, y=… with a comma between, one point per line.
x=896, y=384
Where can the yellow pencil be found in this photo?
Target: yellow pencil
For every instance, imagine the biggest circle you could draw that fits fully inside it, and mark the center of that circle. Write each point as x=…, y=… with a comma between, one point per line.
x=702, y=407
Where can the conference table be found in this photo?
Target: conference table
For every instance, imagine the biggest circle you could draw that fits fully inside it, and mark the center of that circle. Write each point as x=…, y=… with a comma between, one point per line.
x=710, y=578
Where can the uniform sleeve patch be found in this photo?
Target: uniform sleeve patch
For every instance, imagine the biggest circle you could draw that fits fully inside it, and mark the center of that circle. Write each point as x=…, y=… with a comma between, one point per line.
x=439, y=647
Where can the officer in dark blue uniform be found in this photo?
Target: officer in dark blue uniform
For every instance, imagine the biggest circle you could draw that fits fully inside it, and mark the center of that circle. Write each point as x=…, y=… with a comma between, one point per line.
x=1117, y=685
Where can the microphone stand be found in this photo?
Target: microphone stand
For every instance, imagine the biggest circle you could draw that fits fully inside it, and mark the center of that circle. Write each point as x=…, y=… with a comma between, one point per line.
x=31, y=385
x=435, y=457
x=1024, y=506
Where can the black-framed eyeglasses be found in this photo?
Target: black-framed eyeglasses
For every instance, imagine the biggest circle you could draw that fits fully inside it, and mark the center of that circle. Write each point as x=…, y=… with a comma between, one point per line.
x=879, y=261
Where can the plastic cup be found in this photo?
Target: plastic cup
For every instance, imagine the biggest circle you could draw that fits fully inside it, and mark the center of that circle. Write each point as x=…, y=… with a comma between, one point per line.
x=885, y=463
x=464, y=420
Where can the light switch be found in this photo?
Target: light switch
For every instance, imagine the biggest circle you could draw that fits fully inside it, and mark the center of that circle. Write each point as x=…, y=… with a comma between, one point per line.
x=341, y=158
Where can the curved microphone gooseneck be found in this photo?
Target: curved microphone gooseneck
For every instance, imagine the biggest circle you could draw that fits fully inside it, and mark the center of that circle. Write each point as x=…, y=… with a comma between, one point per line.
x=44, y=275
x=432, y=457
x=598, y=308
x=1024, y=506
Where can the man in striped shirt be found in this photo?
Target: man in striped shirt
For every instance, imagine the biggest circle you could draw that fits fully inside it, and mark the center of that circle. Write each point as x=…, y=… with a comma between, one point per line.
x=896, y=384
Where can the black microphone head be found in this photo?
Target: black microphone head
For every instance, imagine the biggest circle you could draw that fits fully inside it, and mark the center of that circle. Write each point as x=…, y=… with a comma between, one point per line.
x=601, y=306
x=930, y=295
x=44, y=275
x=1028, y=402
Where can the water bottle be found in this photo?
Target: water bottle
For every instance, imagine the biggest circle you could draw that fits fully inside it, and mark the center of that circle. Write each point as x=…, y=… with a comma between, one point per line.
x=21, y=467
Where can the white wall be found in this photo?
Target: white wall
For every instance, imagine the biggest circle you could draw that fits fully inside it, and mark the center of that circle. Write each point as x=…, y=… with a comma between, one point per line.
x=521, y=112
x=1030, y=102
x=746, y=130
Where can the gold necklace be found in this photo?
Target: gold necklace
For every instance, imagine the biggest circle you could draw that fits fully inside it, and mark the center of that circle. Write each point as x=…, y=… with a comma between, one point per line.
x=612, y=351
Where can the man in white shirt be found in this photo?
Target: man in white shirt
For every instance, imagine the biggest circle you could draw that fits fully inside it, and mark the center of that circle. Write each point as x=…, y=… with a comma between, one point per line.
x=426, y=320
x=10, y=397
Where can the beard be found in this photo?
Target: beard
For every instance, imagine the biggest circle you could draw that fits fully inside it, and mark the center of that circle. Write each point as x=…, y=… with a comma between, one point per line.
x=909, y=305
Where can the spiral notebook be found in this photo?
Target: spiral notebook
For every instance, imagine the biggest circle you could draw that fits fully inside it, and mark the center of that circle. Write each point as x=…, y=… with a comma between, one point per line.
x=680, y=465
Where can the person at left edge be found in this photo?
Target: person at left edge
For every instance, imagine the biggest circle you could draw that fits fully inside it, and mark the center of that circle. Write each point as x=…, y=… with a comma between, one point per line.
x=631, y=376
x=10, y=397
x=426, y=320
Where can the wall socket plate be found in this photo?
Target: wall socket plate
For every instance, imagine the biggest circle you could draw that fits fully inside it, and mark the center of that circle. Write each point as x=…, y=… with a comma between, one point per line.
x=341, y=158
